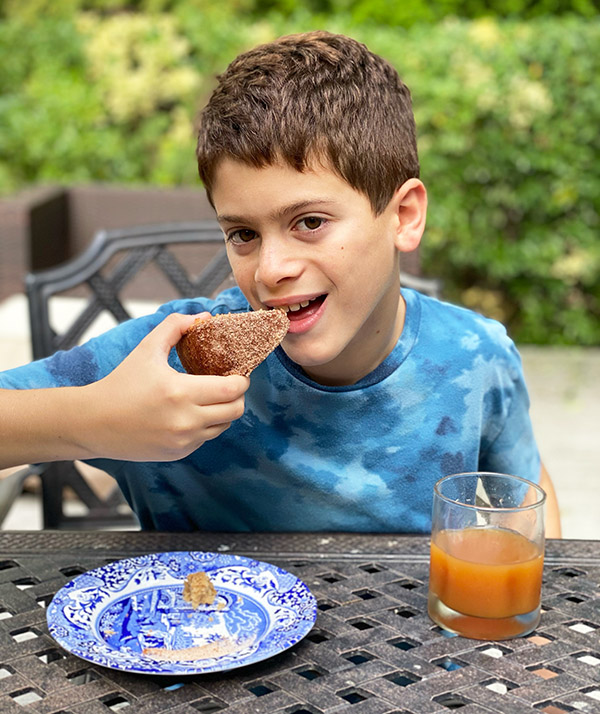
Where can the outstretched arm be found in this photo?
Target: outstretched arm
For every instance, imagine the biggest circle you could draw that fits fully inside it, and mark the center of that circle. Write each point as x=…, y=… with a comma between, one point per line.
x=142, y=411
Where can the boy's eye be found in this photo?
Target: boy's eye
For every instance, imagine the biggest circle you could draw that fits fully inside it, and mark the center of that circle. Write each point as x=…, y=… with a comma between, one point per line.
x=310, y=223
x=244, y=235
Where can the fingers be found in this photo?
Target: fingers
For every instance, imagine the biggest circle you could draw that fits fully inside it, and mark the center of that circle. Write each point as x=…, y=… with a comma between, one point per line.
x=167, y=414
x=209, y=389
x=205, y=390
x=186, y=432
x=168, y=333
x=222, y=413
x=208, y=434
x=214, y=431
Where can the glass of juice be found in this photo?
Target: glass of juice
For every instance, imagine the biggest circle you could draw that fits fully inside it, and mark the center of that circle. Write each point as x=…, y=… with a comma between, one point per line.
x=487, y=555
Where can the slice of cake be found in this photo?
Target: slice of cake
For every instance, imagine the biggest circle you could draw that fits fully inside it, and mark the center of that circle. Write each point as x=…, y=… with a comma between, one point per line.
x=231, y=344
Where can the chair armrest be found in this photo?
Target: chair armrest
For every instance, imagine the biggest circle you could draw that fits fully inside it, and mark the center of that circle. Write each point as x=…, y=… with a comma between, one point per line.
x=11, y=487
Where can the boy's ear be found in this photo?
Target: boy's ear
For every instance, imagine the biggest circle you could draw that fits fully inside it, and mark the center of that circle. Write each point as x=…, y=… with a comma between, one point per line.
x=410, y=207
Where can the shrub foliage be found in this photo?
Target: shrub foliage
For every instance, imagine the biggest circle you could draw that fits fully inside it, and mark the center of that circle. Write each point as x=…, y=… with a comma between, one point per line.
x=507, y=112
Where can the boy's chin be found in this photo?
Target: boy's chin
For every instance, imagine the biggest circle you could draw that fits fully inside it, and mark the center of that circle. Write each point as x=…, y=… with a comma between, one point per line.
x=305, y=358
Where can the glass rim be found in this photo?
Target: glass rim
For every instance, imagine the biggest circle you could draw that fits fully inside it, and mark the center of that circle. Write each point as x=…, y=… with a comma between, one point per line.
x=539, y=490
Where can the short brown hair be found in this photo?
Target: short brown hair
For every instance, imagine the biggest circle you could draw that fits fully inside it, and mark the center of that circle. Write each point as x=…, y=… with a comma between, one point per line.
x=313, y=97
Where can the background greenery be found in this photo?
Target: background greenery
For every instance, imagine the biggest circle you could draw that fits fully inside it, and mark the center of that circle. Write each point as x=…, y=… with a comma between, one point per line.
x=507, y=106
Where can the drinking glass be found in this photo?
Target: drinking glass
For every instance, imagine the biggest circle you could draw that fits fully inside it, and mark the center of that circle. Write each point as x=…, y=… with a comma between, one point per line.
x=487, y=555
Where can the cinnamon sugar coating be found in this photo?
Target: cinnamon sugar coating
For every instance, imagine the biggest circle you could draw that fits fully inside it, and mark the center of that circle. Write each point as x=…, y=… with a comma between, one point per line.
x=210, y=650
x=231, y=344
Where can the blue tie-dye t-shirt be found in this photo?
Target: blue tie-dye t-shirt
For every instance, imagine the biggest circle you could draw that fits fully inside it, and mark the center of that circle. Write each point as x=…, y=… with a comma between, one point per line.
x=449, y=398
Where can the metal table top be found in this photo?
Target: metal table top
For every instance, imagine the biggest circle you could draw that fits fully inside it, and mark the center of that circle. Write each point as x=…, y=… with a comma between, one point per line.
x=373, y=649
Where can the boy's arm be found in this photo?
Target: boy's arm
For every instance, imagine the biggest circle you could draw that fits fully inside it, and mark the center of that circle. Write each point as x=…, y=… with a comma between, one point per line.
x=142, y=411
x=553, y=529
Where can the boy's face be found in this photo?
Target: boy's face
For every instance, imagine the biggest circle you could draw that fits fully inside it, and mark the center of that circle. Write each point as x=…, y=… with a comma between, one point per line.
x=310, y=243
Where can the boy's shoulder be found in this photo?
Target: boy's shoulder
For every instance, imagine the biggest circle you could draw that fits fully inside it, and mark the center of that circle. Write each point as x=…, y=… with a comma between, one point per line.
x=465, y=351
x=230, y=300
x=455, y=327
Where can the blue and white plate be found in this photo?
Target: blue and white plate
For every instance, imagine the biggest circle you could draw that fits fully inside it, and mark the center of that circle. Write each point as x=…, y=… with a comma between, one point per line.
x=130, y=615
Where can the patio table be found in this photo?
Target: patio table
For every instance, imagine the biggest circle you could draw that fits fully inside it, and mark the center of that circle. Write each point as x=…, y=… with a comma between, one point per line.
x=373, y=649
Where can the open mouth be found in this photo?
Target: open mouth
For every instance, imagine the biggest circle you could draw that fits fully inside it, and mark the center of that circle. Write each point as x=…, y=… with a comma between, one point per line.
x=302, y=309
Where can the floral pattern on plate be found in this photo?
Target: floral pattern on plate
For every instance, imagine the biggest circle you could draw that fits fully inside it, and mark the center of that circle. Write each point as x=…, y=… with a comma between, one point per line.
x=130, y=615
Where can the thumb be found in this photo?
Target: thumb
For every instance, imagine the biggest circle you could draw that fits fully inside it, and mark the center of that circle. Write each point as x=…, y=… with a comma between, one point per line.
x=168, y=332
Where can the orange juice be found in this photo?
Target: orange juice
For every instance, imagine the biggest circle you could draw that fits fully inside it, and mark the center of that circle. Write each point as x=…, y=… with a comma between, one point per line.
x=485, y=582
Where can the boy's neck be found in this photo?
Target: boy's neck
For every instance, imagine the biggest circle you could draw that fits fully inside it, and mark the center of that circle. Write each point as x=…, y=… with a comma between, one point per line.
x=377, y=345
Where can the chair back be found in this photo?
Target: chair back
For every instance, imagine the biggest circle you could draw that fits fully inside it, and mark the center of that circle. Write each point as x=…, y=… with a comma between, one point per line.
x=103, y=274
x=133, y=249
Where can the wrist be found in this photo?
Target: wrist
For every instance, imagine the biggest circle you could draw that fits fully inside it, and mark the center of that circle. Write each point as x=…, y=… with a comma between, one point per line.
x=78, y=419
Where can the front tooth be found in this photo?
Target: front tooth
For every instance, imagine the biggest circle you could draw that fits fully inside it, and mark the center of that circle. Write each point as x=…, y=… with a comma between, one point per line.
x=295, y=307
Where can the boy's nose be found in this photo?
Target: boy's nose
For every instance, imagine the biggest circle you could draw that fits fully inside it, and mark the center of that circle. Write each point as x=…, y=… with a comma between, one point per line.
x=276, y=262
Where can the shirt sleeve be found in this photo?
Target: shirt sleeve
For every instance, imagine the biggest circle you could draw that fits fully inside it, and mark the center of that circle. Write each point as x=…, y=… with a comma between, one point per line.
x=512, y=448
x=96, y=358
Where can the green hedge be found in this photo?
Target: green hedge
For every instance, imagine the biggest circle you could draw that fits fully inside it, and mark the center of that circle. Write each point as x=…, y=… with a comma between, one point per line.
x=382, y=12
x=507, y=115
x=508, y=118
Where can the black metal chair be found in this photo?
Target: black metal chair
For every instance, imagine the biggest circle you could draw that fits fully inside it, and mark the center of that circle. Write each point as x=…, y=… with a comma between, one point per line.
x=107, y=269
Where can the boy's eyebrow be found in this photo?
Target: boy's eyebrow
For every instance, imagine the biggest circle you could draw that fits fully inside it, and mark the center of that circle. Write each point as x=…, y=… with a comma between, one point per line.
x=280, y=212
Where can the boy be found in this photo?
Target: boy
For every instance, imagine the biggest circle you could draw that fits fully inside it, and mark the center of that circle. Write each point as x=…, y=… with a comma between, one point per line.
x=308, y=154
